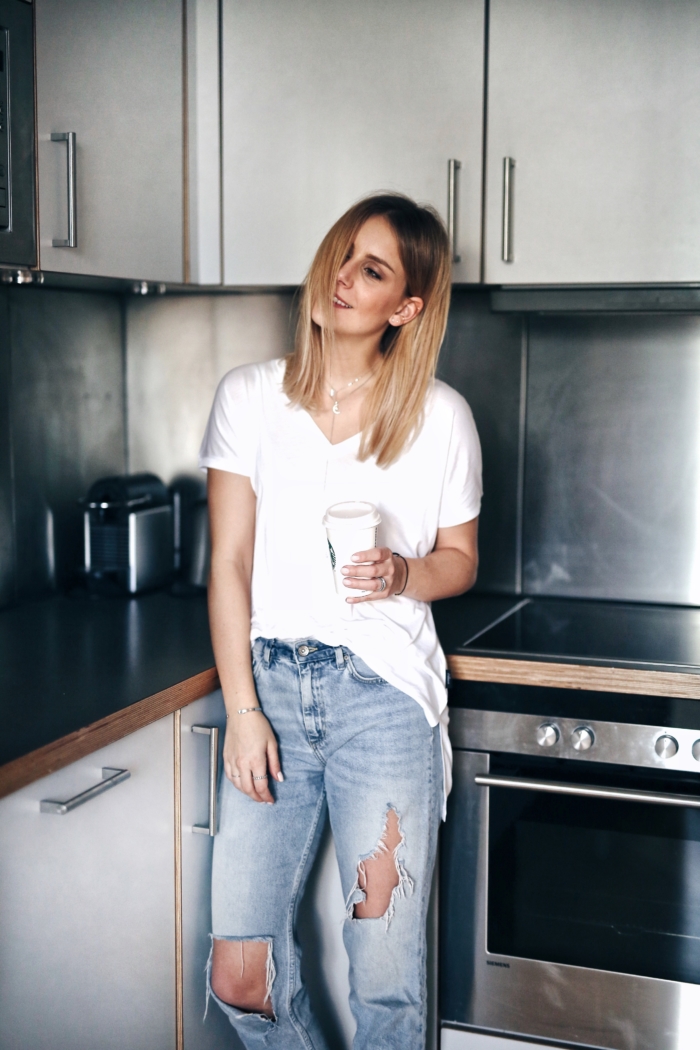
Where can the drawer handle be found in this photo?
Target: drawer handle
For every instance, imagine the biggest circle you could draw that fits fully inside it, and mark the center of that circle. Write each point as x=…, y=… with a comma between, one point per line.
x=507, y=245
x=555, y=787
x=453, y=167
x=110, y=778
x=69, y=138
x=213, y=733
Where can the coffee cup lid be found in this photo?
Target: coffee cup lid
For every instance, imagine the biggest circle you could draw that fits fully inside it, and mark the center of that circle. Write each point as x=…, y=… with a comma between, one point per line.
x=355, y=514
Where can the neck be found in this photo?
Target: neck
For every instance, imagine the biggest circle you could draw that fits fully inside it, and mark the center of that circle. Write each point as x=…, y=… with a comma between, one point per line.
x=352, y=358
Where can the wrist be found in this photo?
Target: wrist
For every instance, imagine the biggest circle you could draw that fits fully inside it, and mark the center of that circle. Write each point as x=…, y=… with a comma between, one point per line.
x=403, y=579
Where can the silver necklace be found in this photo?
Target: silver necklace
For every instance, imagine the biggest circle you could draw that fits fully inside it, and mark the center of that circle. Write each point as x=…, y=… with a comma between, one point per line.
x=339, y=395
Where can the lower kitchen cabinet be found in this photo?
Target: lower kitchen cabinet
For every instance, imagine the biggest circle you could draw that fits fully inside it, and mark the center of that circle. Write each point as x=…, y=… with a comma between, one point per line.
x=87, y=947
x=214, y=1031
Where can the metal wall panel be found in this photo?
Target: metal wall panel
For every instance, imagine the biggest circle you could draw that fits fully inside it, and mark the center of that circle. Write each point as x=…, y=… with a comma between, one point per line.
x=481, y=357
x=7, y=530
x=612, y=474
x=179, y=347
x=67, y=422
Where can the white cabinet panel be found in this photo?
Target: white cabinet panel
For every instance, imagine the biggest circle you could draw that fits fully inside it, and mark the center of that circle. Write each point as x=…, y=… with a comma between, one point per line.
x=112, y=73
x=87, y=952
x=215, y=1032
x=452, y=1039
x=325, y=101
x=598, y=103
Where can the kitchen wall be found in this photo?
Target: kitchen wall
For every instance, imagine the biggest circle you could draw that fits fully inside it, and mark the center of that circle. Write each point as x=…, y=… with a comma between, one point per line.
x=94, y=384
x=62, y=425
x=588, y=422
x=179, y=347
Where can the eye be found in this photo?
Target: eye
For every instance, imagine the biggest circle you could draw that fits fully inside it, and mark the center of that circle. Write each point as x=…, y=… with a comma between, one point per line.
x=373, y=273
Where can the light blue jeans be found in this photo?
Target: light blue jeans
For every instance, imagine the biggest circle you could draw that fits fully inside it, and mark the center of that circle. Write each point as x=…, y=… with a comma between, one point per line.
x=353, y=746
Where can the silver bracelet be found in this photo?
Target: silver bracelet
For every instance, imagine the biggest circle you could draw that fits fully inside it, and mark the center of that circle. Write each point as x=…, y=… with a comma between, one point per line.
x=247, y=710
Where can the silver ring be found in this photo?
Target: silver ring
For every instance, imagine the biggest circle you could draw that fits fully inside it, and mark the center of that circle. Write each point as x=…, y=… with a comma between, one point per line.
x=263, y=777
x=235, y=776
x=383, y=583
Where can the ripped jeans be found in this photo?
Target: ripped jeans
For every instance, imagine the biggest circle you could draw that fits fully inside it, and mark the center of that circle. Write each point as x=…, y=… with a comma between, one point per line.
x=353, y=746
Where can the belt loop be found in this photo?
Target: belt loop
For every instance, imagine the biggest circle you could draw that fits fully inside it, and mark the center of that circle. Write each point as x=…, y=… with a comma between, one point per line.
x=339, y=657
x=267, y=652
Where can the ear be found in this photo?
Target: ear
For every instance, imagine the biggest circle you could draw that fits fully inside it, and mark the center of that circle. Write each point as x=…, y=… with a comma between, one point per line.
x=409, y=309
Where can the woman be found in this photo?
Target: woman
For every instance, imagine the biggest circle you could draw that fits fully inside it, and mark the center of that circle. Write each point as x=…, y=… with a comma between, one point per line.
x=342, y=706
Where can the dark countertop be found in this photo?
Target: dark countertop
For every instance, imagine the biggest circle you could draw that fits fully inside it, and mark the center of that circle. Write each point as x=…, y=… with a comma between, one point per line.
x=620, y=634
x=66, y=663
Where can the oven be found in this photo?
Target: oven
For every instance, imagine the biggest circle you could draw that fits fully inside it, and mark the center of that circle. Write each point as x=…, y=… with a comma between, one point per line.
x=570, y=868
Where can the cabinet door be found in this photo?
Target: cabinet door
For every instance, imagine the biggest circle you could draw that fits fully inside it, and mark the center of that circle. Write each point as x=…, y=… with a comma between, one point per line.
x=87, y=951
x=215, y=1031
x=325, y=101
x=112, y=73
x=598, y=103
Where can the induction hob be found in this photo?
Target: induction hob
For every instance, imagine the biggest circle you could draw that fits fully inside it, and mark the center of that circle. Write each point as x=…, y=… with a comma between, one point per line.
x=627, y=634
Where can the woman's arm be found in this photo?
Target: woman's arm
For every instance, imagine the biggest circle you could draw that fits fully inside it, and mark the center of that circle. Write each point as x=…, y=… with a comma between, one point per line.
x=448, y=570
x=250, y=747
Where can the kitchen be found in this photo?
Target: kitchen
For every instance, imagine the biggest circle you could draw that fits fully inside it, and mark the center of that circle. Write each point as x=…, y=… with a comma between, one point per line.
x=194, y=154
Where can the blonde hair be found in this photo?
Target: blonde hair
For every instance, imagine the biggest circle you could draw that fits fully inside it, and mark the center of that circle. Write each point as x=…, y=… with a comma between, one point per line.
x=394, y=408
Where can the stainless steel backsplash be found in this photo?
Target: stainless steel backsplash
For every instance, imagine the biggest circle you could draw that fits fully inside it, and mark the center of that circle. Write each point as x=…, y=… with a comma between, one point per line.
x=590, y=427
x=62, y=390
x=612, y=458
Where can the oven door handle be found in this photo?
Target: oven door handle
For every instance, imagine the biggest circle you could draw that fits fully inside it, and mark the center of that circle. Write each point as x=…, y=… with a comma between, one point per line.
x=555, y=787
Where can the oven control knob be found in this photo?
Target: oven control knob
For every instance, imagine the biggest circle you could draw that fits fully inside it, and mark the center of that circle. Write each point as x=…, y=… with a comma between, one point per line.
x=582, y=738
x=547, y=735
x=696, y=750
x=666, y=747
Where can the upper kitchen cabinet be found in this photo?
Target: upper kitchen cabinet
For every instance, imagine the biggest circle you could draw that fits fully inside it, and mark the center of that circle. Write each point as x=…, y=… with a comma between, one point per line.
x=110, y=137
x=325, y=101
x=593, y=157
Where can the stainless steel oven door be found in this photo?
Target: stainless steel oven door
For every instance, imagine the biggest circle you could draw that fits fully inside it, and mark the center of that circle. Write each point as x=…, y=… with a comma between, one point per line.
x=571, y=907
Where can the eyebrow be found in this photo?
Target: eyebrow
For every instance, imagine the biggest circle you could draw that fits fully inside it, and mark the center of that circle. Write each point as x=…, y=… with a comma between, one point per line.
x=375, y=258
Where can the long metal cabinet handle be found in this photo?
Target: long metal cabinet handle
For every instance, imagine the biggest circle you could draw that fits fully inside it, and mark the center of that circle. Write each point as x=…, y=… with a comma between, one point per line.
x=110, y=778
x=213, y=733
x=72, y=239
x=453, y=167
x=507, y=244
x=555, y=787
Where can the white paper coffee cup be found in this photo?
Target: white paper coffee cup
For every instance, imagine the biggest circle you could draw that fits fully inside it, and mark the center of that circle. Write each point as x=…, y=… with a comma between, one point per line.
x=350, y=527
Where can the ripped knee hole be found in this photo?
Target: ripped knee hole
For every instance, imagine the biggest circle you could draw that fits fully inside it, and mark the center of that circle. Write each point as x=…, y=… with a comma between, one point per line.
x=242, y=974
x=381, y=877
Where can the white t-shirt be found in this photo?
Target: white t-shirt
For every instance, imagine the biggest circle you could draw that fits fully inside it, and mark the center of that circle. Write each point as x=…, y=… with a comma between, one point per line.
x=297, y=474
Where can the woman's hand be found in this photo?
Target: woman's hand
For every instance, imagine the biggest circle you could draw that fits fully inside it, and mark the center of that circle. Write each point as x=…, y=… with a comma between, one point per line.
x=380, y=565
x=250, y=755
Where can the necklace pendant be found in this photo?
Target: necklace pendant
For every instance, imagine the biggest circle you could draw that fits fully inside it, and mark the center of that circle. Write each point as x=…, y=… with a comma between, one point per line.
x=336, y=410
x=332, y=392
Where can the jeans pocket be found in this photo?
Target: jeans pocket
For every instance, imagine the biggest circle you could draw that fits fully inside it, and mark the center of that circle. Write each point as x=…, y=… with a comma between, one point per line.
x=361, y=671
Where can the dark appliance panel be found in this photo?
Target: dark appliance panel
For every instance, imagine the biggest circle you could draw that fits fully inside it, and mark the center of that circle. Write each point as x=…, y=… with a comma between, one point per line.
x=17, y=151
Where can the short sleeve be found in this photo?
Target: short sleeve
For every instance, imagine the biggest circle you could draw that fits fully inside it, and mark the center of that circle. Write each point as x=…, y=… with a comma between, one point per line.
x=231, y=437
x=462, y=487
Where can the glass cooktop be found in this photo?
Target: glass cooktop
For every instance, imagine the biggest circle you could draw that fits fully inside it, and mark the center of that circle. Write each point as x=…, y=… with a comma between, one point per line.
x=621, y=633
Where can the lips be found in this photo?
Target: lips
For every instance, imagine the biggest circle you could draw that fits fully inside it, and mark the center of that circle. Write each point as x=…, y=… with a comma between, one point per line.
x=337, y=301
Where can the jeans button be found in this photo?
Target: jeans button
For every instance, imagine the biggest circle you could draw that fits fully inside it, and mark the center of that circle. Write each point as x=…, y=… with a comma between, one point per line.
x=303, y=650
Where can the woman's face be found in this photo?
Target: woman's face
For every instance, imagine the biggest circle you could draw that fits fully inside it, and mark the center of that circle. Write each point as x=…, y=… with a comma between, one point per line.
x=370, y=291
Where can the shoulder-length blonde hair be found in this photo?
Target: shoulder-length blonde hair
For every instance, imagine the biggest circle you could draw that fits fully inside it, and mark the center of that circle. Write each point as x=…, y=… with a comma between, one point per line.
x=394, y=409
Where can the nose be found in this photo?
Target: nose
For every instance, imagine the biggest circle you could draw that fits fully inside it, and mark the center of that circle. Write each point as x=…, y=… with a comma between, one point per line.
x=345, y=274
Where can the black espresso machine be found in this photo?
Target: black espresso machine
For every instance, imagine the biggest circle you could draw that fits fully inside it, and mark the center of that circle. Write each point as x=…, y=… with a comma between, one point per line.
x=128, y=534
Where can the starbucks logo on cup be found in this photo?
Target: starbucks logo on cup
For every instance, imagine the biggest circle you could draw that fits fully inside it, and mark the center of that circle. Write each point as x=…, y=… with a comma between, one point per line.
x=332, y=554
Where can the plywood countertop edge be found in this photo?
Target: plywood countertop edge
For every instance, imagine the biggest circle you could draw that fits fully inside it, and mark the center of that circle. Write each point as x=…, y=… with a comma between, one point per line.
x=67, y=749
x=575, y=676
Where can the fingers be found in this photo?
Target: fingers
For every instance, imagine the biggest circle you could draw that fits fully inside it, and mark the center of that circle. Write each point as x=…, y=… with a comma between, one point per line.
x=273, y=761
x=379, y=565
